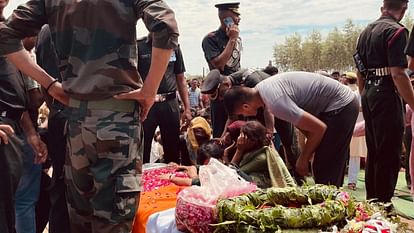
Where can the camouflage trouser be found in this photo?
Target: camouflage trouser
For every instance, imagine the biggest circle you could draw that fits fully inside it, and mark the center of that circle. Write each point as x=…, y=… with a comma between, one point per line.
x=103, y=170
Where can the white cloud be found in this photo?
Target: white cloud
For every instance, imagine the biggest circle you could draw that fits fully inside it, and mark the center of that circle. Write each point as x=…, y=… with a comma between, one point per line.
x=264, y=23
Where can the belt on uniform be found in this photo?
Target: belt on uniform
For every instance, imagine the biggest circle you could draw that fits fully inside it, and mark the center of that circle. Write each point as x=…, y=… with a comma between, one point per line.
x=385, y=71
x=165, y=97
x=107, y=104
x=379, y=80
x=12, y=115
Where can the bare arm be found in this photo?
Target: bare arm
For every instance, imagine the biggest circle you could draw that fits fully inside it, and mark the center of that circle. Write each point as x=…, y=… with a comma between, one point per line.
x=200, y=101
x=242, y=144
x=361, y=82
x=411, y=63
x=146, y=95
x=314, y=130
x=403, y=84
x=33, y=138
x=183, y=91
x=269, y=120
x=25, y=63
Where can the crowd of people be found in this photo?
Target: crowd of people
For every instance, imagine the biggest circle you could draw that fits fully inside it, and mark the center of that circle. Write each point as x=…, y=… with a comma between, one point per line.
x=115, y=102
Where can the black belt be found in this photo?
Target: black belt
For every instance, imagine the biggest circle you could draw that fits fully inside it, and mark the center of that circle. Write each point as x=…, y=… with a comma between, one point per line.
x=373, y=80
x=159, y=98
x=12, y=115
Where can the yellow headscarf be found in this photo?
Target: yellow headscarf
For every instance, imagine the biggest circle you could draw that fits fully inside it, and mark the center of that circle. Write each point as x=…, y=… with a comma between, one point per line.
x=198, y=122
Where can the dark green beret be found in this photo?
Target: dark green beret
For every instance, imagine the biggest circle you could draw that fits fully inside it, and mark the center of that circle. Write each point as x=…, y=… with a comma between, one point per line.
x=211, y=82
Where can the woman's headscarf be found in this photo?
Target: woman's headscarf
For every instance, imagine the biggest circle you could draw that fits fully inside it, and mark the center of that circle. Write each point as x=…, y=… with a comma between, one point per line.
x=198, y=122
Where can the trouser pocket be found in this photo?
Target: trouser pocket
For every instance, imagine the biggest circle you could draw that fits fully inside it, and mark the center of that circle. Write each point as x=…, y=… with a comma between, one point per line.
x=127, y=188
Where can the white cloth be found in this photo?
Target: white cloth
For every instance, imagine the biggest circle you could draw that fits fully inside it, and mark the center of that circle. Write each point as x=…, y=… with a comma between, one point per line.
x=354, y=167
x=162, y=222
x=157, y=151
x=358, y=146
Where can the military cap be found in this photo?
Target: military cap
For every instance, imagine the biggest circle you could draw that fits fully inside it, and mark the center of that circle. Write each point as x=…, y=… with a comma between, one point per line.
x=211, y=82
x=231, y=6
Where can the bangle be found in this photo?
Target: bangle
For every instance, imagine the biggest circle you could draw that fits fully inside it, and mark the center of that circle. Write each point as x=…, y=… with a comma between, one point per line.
x=50, y=85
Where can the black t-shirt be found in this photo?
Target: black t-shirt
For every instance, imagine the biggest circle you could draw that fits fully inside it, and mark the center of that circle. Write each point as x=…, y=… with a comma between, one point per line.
x=12, y=87
x=382, y=44
x=214, y=44
x=409, y=50
x=175, y=66
x=46, y=55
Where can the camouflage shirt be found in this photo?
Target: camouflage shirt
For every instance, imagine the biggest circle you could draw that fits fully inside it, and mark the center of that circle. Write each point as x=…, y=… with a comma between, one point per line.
x=95, y=40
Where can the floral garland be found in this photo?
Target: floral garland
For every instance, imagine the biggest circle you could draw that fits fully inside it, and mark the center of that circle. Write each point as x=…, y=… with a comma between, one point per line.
x=375, y=217
x=274, y=209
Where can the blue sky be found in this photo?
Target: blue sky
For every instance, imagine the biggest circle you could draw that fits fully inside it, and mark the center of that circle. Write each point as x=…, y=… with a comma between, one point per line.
x=264, y=23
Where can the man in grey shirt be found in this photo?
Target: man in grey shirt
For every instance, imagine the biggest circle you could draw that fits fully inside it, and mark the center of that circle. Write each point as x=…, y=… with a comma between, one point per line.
x=323, y=109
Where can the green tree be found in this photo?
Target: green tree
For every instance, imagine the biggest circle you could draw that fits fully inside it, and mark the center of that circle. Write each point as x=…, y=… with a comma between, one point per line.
x=333, y=51
x=312, y=52
x=408, y=21
x=350, y=34
x=288, y=56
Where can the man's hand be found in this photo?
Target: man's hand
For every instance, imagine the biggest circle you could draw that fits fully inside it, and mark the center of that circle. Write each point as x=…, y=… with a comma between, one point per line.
x=187, y=114
x=186, y=118
x=233, y=32
x=39, y=147
x=5, y=131
x=58, y=93
x=144, y=100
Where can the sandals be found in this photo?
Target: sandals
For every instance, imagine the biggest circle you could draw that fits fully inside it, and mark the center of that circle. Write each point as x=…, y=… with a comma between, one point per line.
x=352, y=186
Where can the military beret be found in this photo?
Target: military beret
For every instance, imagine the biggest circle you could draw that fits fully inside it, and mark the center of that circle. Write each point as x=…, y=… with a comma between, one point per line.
x=254, y=78
x=231, y=6
x=211, y=82
x=247, y=78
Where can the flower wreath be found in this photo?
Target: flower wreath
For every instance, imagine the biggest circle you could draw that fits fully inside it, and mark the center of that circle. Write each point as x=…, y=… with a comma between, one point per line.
x=282, y=208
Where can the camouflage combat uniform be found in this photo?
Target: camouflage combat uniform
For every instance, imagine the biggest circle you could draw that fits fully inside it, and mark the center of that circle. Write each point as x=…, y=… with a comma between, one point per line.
x=96, y=43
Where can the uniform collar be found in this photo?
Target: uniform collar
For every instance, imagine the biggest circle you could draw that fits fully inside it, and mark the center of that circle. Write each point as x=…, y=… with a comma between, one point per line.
x=388, y=16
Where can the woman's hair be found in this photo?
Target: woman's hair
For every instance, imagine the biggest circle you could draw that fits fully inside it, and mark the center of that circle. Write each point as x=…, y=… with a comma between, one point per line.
x=210, y=149
x=255, y=131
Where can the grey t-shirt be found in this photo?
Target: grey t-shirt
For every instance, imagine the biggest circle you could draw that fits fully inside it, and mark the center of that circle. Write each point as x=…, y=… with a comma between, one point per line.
x=289, y=95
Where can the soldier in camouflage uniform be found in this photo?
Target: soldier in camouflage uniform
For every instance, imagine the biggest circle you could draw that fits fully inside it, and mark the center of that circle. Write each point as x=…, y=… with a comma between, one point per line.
x=96, y=42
